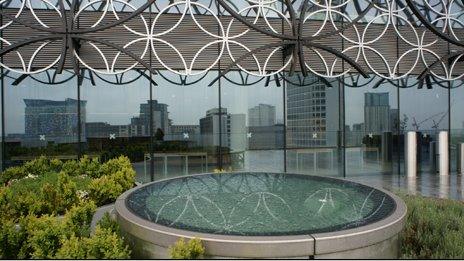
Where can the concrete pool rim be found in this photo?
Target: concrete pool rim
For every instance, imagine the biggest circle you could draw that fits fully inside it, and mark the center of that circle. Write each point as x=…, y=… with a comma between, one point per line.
x=217, y=245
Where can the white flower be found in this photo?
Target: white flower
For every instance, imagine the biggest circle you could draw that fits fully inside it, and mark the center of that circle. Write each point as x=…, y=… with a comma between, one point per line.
x=30, y=176
x=82, y=194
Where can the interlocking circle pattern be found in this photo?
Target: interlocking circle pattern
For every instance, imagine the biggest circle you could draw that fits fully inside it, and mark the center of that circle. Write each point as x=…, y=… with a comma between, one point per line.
x=329, y=38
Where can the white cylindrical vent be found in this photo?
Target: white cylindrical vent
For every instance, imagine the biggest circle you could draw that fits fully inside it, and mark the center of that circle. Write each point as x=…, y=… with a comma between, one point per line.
x=443, y=153
x=411, y=154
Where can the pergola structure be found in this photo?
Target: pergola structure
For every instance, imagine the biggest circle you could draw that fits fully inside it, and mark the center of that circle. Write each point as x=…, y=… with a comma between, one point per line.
x=395, y=40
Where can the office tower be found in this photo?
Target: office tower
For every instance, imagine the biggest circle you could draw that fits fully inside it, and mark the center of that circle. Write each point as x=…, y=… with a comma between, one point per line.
x=232, y=127
x=312, y=112
x=52, y=121
x=262, y=115
x=376, y=112
x=140, y=125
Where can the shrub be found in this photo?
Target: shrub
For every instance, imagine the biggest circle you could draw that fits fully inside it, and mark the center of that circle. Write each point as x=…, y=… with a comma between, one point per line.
x=57, y=198
x=104, y=244
x=104, y=190
x=7, y=209
x=26, y=204
x=11, y=173
x=71, y=167
x=193, y=249
x=89, y=167
x=108, y=223
x=12, y=238
x=44, y=235
x=67, y=191
x=434, y=229
x=116, y=177
x=79, y=217
x=45, y=188
x=38, y=166
x=113, y=165
x=71, y=248
x=56, y=165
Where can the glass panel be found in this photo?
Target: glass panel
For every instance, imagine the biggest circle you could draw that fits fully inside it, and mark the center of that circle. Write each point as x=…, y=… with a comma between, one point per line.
x=371, y=125
x=424, y=109
x=457, y=121
x=190, y=144
x=116, y=119
x=253, y=123
x=41, y=116
x=313, y=133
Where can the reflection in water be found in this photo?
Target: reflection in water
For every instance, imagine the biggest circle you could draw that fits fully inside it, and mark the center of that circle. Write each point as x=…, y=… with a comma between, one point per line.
x=444, y=189
x=411, y=184
x=460, y=187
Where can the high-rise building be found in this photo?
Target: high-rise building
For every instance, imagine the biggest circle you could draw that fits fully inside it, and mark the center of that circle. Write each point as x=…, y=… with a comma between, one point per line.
x=233, y=127
x=211, y=126
x=262, y=115
x=376, y=112
x=52, y=121
x=140, y=125
x=312, y=113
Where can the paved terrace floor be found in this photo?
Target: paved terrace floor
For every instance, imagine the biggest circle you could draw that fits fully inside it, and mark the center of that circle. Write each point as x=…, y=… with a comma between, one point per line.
x=425, y=184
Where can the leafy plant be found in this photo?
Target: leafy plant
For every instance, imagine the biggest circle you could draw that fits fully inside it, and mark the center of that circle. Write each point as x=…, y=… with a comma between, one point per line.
x=57, y=198
x=11, y=173
x=89, y=167
x=34, y=193
x=44, y=235
x=116, y=177
x=12, y=238
x=108, y=223
x=79, y=217
x=434, y=229
x=193, y=249
x=71, y=248
x=104, y=244
x=104, y=190
x=71, y=168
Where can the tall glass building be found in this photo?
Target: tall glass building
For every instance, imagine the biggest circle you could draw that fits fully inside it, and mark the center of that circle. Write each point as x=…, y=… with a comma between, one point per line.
x=185, y=87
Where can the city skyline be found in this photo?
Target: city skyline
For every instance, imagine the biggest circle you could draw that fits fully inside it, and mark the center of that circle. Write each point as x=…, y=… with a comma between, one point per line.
x=42, y=108
x=116, y=105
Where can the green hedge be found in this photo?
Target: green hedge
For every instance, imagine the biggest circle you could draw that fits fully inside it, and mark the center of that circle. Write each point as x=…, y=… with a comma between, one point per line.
x=34, y=194
x=48, y=237
x=434, y=229
x=44, y=186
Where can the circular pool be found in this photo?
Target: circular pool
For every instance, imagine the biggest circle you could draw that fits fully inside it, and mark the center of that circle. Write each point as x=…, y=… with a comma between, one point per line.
x=247, y=215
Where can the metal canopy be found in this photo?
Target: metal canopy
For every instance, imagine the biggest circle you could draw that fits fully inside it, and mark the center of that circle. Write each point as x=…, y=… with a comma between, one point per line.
x=264, y=38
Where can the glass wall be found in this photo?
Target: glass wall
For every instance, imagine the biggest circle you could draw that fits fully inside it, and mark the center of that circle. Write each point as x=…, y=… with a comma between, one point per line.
x=313, y=125
x=170, y=125
x=371, y=125
x=41, y=115
x=190, y=144
x=116, y=119
x=184, y=126
x=254, y=124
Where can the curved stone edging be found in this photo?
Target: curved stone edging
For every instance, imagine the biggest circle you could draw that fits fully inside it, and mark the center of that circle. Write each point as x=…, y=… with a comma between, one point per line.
x=155, y=236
